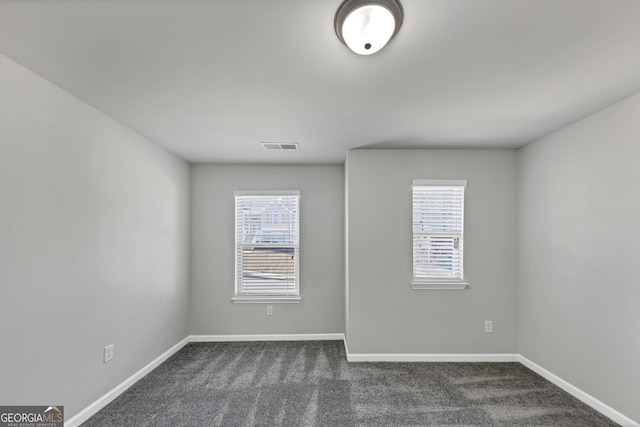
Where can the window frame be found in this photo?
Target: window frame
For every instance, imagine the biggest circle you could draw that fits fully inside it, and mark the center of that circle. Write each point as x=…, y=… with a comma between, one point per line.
x=240, y=297
x=420, y=282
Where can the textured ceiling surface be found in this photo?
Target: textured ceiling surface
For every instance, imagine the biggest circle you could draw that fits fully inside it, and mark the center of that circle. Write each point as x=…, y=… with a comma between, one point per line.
x=211, y=79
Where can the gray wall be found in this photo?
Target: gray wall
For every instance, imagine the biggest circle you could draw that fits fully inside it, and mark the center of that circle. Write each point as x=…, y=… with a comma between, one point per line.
x=385, y=314
x=578, y=254
x=321, y=250
x=93, y=246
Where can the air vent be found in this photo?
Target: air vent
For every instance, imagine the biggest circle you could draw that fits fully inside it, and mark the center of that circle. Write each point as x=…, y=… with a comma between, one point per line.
x=280, y=146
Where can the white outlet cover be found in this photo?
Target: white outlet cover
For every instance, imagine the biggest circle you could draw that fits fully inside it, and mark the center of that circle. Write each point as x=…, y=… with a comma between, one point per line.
x=488, y=326
x=108, y=353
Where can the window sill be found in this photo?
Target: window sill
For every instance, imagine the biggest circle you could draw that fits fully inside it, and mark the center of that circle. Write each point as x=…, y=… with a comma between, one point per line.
x=269, y=300
x=440, y=285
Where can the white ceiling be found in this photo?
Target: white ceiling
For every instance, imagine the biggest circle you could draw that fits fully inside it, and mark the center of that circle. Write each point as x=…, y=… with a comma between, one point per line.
x=211, y=79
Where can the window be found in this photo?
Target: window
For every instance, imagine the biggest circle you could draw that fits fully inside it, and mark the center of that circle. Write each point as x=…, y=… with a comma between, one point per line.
x=267, y=253
x=438, y=234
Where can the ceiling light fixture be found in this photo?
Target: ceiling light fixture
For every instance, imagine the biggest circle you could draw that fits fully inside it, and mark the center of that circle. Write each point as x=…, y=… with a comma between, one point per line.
x=366, y=26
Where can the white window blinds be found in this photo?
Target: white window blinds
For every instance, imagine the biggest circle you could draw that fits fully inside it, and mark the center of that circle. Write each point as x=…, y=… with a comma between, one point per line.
x=438, y=230
x=267, y=239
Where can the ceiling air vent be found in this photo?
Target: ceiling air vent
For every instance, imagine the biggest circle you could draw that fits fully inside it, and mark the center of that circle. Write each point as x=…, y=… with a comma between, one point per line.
x=279, y=146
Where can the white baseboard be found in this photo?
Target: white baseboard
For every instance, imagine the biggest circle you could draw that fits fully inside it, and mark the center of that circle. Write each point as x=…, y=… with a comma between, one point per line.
x=398, y=357
x=266, y=337
x=596, y=404
x=92, y=409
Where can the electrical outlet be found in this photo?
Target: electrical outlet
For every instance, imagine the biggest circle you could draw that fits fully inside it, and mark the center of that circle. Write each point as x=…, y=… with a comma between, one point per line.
x=488, y=325
x=269, y=310
x=108, y=353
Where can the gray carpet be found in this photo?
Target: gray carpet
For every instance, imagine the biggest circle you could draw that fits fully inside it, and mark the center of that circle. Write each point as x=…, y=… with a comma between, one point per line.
x=310, y=383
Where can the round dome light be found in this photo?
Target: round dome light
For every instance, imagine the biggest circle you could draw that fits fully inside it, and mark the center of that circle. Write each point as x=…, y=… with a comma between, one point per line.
x=367, y=26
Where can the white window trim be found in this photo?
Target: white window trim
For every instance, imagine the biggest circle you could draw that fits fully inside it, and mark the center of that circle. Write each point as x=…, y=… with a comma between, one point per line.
x=276, y=299
x=270, y=300
x=441, y=284
x=266, y=193
x=438, y=284
x=440, y=182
